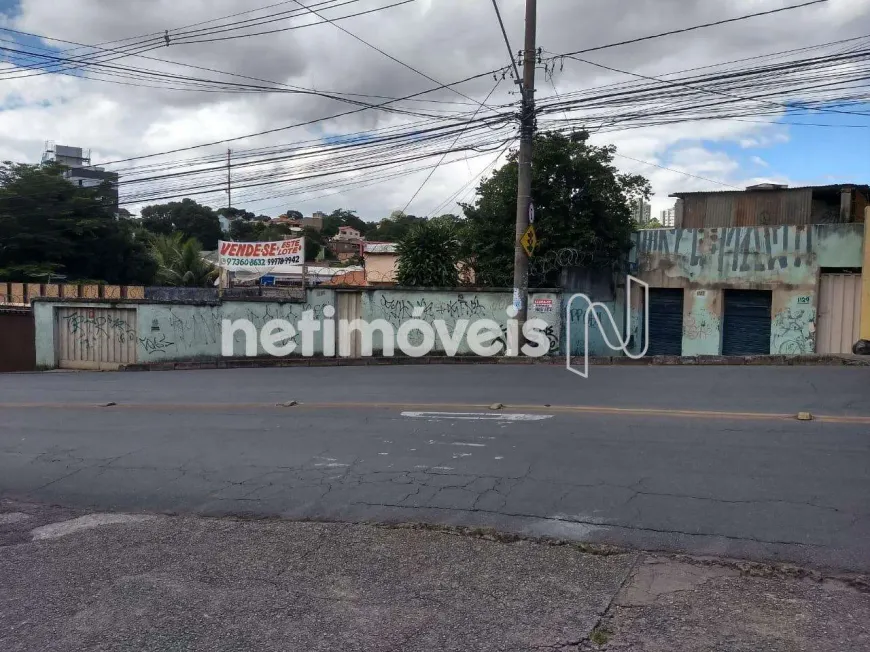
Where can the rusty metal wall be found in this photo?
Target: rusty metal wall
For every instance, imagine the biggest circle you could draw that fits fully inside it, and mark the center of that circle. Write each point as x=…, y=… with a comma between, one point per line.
x=95, y=338
x=767, y=208
x=839, y=313
x=17, y=340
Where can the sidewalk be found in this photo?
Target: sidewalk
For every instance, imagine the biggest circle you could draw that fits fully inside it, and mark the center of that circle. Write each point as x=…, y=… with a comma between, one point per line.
x=212, y=585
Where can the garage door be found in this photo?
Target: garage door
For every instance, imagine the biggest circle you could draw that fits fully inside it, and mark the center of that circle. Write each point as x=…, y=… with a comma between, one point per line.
x=665, y=322
x=95, y=338
x=839, y=313
x=746, y=327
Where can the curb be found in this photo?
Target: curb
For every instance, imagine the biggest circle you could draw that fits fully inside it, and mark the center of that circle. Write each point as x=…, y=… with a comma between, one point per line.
x=659, y=360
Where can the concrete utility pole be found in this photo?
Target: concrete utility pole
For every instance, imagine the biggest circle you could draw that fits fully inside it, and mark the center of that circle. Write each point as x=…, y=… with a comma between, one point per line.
x=524, y=186
x=229, y=180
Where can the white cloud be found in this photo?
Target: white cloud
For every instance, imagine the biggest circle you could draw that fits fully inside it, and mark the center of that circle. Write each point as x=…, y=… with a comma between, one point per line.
x=446, y=39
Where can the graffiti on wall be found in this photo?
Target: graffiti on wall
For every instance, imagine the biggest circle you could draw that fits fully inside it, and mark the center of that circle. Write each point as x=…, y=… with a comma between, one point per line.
x=92, y=331
x=792, y=332
x=701, y=326
x=730, y=249
x=460, y=307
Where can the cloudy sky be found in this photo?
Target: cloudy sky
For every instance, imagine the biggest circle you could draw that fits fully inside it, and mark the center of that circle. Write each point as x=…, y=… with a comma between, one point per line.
x=445, y=40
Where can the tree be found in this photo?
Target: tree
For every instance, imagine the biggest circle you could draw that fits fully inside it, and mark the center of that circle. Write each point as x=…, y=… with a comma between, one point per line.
x=233, y=213
x=294, y=215
x=314, y=243
x=180, y=262
x=50, y=226
x=343, y=217
x=428, y=255
x=581, y=203
x=188, y=217
x=653, y=224
x=394, y=227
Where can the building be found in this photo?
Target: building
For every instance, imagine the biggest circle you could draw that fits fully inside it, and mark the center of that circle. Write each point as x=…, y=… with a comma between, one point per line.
x=771, y=270
x=315, y=221
x=348, y=234
x=380, y=260
x=667, y=217
x=772, y=204
x=345, y=250
x=79, y=170
x=641, y=212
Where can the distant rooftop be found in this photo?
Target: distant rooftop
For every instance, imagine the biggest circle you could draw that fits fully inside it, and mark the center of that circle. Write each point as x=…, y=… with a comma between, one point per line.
x=836, y=187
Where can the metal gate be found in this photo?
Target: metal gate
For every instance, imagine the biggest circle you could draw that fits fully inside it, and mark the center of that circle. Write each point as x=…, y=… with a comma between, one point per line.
x=839, y=315
x=665, y=322
x=349, y=307
x=95, y=338
x=17, y=340
x=746, y=324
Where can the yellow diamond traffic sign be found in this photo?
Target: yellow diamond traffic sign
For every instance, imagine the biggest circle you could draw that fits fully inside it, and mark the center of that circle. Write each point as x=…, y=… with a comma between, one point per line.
x=529, y=240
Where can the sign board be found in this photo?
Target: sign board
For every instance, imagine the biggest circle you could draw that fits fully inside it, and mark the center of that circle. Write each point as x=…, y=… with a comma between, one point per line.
x=543, y=305
x=531, y=213
x=267, y=281
x=285, y=256
x=529, y=240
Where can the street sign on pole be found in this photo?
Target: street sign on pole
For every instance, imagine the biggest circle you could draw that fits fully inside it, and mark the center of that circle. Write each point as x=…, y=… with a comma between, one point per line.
x=531, y=213
x=529, y=240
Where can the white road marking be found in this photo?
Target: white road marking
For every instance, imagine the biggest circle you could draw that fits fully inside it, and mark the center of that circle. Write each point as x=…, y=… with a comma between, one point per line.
x=55, y=530
x=456, y=443
x=499, y=457
x=476, y=416
x=331, y=465
x=458, y=455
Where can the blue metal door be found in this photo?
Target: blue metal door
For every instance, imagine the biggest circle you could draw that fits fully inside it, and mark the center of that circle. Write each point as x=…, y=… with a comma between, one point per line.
x=746, y=327
x=665, y=322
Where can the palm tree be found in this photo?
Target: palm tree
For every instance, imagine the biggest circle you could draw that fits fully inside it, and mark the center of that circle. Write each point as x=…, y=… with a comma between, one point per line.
x=180, y=261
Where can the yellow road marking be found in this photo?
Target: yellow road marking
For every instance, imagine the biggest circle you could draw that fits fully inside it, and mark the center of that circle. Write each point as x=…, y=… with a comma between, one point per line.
x=564, y=409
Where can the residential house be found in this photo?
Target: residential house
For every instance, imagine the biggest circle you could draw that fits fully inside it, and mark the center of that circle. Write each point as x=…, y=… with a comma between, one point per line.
x=380, y=260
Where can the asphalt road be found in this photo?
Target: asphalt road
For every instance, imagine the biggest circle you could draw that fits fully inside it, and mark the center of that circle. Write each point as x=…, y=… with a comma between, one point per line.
x=699, y=460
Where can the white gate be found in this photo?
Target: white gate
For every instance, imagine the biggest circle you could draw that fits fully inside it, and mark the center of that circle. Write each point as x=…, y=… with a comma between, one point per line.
x=95, y=338
x=349, y=306
x=839, y=318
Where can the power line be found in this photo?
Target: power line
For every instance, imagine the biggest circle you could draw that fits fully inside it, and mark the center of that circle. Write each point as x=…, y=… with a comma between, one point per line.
x=389, y=56
x=507, y=42
x=458, y=136
x=696, y=27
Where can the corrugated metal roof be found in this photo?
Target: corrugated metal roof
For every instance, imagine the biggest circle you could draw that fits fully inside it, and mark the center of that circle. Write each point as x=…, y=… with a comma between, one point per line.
x=380, y=248
x=836, y=186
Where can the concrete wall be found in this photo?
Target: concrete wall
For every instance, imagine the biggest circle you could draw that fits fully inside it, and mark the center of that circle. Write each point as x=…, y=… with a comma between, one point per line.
x=168, y=332
x=398, y=305
x=786, y=260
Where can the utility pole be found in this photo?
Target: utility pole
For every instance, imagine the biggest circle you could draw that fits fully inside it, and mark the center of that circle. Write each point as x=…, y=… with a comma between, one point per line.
x=229, y=180
x=524, y=186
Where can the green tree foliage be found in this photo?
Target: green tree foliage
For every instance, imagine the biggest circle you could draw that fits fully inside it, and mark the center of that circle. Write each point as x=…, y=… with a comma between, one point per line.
x=50, y=226
x=187, y=216
x=428, y=254
x=314, y=243
x=581, y=202
x=257, y=231
x=233, y=213
x=294, y=215
x=653, y=224
x=180, y=262
x=344, y=217
x=394, y=227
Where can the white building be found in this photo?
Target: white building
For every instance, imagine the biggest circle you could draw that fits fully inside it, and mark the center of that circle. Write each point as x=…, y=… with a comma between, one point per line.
x=79, y=170
x=668, y=216
x=641, y=212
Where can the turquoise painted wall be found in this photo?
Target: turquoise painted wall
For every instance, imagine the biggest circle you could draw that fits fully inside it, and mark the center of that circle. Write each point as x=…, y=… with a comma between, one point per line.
x=786, y=260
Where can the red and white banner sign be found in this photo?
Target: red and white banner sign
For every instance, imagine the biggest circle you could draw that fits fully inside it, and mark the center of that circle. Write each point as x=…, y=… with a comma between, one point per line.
x=285, y=256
